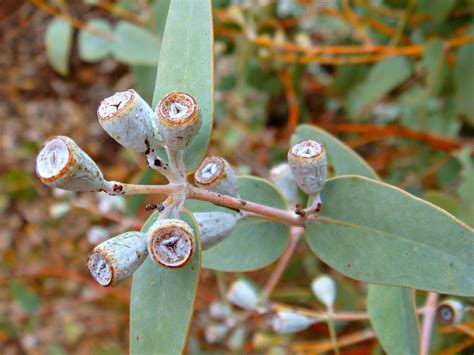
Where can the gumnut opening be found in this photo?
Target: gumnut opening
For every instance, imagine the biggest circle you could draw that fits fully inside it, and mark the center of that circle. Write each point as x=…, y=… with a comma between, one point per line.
x=100, y=268
x=171, y=243
x=110, y=106
x=53, y=159
x=215, y=174
x=450, y=312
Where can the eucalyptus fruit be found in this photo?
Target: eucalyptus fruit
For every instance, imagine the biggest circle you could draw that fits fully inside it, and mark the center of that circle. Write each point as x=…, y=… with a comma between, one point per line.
x=215, y=174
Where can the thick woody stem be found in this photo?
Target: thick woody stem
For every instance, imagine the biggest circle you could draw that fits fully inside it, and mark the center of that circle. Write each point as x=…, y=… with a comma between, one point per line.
x=276, y=214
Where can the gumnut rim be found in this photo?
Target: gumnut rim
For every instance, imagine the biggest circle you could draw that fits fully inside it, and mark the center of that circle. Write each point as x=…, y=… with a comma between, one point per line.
x=112, y=105
x=209, y=171
x=307, y=150
x=101, y=268
x=54, y=159
x=177, y=108
x=171, y=244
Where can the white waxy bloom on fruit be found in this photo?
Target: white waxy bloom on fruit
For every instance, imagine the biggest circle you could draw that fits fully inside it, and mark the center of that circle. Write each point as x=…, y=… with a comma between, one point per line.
x=171, y=243
x=62, y=164
x=286, y=322
x=308, y=163
x=324, y=288
x=450, y=311
x=215, y=332
x=214, y=227
x=243, y=294
x=128, y=119
x=219, y=310
x=282, y=177
x=215, y=174
x=117, y=258
x=179, y=120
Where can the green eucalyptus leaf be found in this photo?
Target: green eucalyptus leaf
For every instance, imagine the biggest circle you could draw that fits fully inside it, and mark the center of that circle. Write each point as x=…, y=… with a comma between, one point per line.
x=255, y=242
x=163, y=301
x=375, y=232
x=381, y=298
x=187, y=64
x=392, y=314
x=342, y=158
x=135, y=45
x=92, y=47
x=435, y=65
x=382, y=78
x=58, y=45
x=464, y=78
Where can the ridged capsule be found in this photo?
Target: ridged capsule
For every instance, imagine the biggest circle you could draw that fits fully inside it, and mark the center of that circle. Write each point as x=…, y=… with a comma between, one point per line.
x=282, y=177
x=214, y=227
x=324, y=288
x=179, y=120
x=285, y=322
x=128, y=119
x=215, y=174
x=171, y=243
x=308, y=164
x=62, y=164
x=450, y=311
x=243, y=293
x=117, y=258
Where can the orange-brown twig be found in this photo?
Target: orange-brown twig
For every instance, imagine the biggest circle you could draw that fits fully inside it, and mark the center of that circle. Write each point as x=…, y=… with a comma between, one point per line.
x=434, y=141
x=291, y=98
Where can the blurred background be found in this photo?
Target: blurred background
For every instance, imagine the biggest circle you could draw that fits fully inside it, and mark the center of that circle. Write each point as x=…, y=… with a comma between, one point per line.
x=394, y=79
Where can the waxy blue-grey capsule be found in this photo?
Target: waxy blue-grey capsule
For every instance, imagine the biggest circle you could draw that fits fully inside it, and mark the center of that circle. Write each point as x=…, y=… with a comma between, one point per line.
x=308, y=163
x=215, y=174
x=214, y=227
x=128, y=119
x=117, y=258
x=179, y=120
x=171, y=243
x=62, y=164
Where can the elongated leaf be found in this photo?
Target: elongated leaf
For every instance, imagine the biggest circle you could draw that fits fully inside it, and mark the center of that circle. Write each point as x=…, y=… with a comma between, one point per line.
x=464, y=75
x=435, y=65
x=392, y=314
x=162, y=302
x=186, y=64
x=382, y=78
x=342, y=158
x=58, y=45
x=92, y=47
x=135, y=45
x=381, y=298
x=377, y=233
x=255, y=242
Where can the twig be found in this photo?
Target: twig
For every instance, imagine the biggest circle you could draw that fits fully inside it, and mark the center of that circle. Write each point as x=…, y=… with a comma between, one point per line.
x=296, y=233
x=428, y=319
x=317, y=347
x=361, y=33
x=272, y=213
x=291, y=98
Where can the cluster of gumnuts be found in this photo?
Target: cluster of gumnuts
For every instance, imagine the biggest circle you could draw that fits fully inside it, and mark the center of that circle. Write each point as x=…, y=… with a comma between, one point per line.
x=167, y=131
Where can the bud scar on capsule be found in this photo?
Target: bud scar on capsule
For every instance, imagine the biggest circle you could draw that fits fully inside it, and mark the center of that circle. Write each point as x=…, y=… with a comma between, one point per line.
x=215, y=174
x=171, y=243
x=62, y=164
x=179, y=120
x=128, y=119
x=117, y=258
x=308, y=163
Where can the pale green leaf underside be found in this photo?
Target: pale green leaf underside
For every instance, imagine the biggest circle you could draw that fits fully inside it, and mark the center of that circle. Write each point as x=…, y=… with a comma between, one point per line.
x=187, y=64
x=255, y=242
x=162, y=302
x=392, y=314
x=135, y=45
x=93, y=48
x=397, y=300
x=342, y=158
x=58, y=45
x=380, y=234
